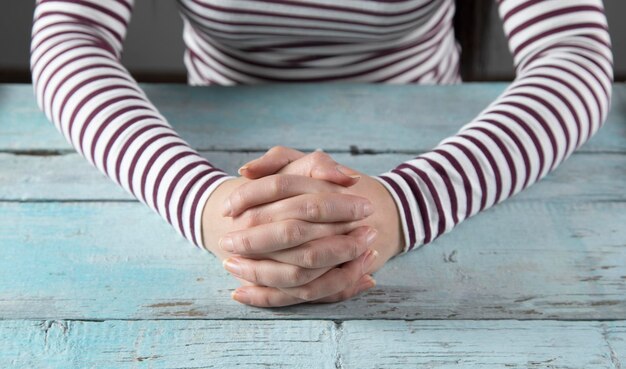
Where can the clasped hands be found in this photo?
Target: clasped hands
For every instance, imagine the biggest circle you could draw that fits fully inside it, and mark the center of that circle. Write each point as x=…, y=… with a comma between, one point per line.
x=300, y=228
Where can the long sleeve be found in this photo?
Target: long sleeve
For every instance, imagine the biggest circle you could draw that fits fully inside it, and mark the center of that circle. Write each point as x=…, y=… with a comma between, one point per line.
x=84, y=90
x=559, y=99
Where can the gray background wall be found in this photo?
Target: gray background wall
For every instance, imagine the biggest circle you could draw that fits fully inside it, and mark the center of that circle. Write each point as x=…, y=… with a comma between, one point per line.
x=154, y=47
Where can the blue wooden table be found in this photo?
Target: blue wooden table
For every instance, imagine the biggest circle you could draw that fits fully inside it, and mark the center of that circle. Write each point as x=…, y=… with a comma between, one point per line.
x=90, y=278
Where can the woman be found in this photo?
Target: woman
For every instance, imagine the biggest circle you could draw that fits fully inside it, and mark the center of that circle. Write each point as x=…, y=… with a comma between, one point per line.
x=277, y=217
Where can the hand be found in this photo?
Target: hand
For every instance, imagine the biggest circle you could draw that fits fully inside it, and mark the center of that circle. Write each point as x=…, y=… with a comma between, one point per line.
x=320, y=289
x=322, y=166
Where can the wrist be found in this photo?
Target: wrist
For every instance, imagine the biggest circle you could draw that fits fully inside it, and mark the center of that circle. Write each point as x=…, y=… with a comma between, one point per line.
x=389, y=241
x=390, y=218
x=213, y=222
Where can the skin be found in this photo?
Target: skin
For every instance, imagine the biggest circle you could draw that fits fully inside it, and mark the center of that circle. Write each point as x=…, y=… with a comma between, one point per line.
x=299, y=229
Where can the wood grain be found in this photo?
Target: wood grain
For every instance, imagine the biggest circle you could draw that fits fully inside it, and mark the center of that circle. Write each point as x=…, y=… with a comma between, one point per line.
x=58, y=344
x=398, y=118
x=481, y=344
x=583, y=177
x=614, y=333
x=361, y=344
x=519, y=260
x=90, y=278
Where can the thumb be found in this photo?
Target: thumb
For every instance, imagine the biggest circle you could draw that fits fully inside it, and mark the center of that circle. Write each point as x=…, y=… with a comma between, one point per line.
x=320, y=165
x=336, y=173
x=270, y=163
x=317, y=164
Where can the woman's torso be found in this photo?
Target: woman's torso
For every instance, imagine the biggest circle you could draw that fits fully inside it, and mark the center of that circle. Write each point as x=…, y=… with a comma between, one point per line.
x=256, y=41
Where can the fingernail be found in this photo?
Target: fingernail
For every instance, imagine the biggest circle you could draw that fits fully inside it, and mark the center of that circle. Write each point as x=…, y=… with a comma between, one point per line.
x=228, y=208
x=346, y=172
x=242, y=168
x=226, y=244
x=368, y=209
x=367, y=284
x=250, y=163
x=369, y=237
x=369, y=259
x=241, y=296
x=318, y=149
x=233, y=266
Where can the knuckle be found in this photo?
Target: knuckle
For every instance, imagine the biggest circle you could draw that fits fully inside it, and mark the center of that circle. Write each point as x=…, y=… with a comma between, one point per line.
x=255, y=216
x=313, y=210
x=319, y=156
x=306, y=293
x=317, y=171
x=250, y=218
x=310, y=258
x=292, y=231
x=275, y=185
x=297, y=275
x=279, y=185
x=253, y=275
x=355, y=210
x=355, y=247
x=238, y=197
x=263, y=300
x=276, y=148
x=245, y=244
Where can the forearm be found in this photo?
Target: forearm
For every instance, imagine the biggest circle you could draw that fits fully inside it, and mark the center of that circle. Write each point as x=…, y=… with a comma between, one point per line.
x=94, y=102
x=559, y=99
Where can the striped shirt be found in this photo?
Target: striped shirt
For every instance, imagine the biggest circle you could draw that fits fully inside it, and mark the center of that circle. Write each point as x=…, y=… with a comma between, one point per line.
x=560, y=97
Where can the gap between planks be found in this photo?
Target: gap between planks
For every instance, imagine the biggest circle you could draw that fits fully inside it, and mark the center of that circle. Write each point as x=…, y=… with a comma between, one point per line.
x=354, y=150
x=336, y=321
x=332, y=343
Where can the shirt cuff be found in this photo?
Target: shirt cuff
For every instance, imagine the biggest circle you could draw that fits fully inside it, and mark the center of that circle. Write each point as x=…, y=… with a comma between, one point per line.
x=406, y=205
x=208, y=186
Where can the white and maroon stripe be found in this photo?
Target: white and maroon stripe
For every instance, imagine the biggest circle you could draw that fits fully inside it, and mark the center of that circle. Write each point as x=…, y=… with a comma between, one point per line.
x=560, y=98
x=82, y=87
x=246, y=42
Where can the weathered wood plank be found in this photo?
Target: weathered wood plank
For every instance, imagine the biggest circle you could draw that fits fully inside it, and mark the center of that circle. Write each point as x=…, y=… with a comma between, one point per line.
x=518, y=260
x=596, y=177
x=475, y=344
x=308, y=343
x=331, y=116
x=167, y=344
x=615, y=335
